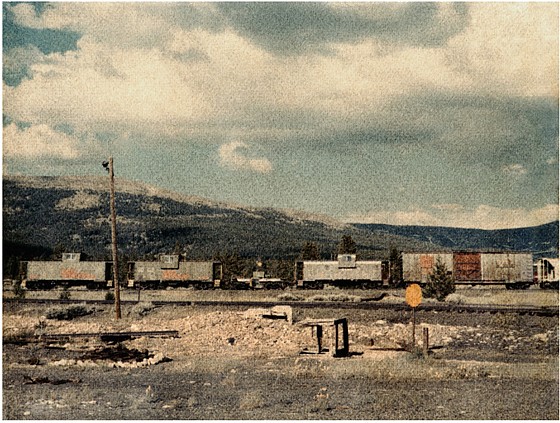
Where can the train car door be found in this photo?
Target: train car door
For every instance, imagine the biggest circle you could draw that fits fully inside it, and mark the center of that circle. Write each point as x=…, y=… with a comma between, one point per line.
x=467, y=267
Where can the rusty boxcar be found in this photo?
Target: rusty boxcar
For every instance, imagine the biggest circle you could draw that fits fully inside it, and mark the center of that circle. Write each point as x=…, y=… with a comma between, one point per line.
x=417, y=267
x=70, y=271
x=546, y=272
x=174, y=270
x=512, y=269
x=346, y=271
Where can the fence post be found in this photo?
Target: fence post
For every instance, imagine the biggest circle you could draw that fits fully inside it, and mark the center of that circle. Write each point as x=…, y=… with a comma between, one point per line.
x=425, y=347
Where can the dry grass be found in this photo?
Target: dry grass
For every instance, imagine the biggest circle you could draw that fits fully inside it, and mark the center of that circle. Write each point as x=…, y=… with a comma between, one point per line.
x=464, y=295
x=336, y=298
x=251, y=401
x=407, y=366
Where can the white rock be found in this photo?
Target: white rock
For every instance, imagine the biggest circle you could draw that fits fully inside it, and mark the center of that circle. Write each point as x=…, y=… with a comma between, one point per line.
x=542, y=337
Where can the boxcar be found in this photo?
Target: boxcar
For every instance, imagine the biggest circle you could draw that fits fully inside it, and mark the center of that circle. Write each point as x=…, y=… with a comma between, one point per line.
x=546, y=272
x=514, y=270
x=70, y=271
x=417, y=267
x=173, y=270
x=346, y=271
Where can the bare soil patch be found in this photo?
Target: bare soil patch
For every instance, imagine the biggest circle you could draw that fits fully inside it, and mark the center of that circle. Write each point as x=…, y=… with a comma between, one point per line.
x=232, y=364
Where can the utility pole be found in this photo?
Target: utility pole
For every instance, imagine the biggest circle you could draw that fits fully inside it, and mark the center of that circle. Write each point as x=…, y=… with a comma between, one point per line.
x=114, y=240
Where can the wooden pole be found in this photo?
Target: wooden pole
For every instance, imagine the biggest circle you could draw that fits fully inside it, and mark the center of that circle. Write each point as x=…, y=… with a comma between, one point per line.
x=425, y=346
x=413, y=328
x=114, y=242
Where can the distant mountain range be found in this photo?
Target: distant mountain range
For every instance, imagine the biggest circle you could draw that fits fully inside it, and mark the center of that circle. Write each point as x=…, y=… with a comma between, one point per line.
x=541, y=240
x=71, y=213
x=45, y=215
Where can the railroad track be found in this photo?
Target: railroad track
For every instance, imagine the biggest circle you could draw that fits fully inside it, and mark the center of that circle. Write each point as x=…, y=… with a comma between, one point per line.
x=426, y=307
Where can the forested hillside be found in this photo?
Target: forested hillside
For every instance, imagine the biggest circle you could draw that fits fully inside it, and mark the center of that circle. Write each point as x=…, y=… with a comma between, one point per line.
x=43, y=216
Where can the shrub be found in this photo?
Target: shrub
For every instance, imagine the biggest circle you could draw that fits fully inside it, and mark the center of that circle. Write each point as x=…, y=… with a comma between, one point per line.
x=18, y=290
x=456, y=299
x=142, y=309
x=251, y=401
x=109, y=296
x=68, y=313
x=336, y=298
x=65, y=294
x=289, y=297
x=440, y=284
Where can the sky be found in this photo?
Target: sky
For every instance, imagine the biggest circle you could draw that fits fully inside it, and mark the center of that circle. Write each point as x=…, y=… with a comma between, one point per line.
x=440, y=114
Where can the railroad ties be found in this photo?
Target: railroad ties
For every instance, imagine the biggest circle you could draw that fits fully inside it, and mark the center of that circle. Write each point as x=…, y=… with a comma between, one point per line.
x=109, y=336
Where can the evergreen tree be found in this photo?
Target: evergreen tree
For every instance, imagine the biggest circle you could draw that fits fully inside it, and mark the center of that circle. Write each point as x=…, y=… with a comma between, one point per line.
x=232, y=266
x=178, y=248
x=440, y=284
x=11, y=267
x=347, y=245
x=395, y=267
x=310, y=251
x=58, y=250
x=18, y=290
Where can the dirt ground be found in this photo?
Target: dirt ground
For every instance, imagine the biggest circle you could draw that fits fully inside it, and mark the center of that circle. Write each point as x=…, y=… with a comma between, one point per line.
x=233, y=364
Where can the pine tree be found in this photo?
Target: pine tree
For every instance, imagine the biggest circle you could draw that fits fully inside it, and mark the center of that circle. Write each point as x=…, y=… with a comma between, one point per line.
x=440, y=284
x=310, y=251
x=347, y=245
x=232, y=266
x=395, y=260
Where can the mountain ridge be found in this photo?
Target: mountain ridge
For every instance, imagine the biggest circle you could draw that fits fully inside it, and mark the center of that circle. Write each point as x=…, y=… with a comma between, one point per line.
x=72, y=213
x=42, y=214
x=540, y=239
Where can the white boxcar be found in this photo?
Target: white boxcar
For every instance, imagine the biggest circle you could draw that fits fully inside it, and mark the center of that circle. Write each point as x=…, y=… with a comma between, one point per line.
x=514, y=270
x=345, y=271
x=506, y=268
x=417, y=267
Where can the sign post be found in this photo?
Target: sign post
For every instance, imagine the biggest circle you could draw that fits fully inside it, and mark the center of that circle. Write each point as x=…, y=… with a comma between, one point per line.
x=413, y=298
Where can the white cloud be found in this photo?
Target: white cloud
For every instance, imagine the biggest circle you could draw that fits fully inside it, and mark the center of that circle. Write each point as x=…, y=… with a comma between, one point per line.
x=412, y=217
x=128, y=24
x=515, y=169
x=482, y=217
x=24, y=15
x=452, y=207
x=231, y=157
x=509, y=48
x=135, y=89
x=127, y=72
x=38, y=141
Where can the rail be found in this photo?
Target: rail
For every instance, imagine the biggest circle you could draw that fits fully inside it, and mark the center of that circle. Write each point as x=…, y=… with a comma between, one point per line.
x=426, y=307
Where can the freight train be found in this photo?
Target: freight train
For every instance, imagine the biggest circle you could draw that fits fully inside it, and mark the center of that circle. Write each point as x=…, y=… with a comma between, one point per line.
x=510, y=269
x=346, y=272
x=173, y=270
x=513, y=270
x=70, y=271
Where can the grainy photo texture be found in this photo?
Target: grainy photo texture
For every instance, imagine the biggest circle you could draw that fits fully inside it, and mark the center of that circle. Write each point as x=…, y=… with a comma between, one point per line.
x=280, y=211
